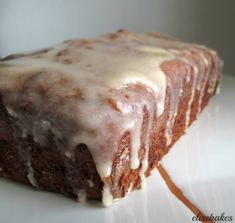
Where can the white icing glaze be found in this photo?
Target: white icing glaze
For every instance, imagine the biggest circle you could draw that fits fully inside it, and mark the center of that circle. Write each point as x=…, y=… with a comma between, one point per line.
x=144, y=163
x=81, y=196
x=130, y=188
x=107, y=197
x=203, y=85
x=194, y=76
x=82, y=92
x=30, y=174
x=135, y=143
x=217, y=70
x=188, y=112
x=184, y=56
x=176, y=89
x=218, y=89
x=90, y=183
x=214, y=73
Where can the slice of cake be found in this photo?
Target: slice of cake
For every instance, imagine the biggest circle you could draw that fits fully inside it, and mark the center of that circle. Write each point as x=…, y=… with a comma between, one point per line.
x=90, y=118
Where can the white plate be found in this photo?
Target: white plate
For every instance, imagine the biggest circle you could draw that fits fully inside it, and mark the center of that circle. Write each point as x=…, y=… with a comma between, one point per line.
x=202, y=164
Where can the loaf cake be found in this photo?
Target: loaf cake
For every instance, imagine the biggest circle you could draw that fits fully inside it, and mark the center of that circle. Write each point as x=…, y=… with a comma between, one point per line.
x=91, y=118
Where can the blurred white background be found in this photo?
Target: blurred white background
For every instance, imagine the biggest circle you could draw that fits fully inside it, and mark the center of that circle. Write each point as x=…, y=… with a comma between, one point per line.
x=32, y=24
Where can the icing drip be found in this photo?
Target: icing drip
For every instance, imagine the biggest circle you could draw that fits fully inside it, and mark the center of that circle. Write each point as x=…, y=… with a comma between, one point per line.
x=144, y=162
x=81, y=196
x=30, y=174
x=218, y=64
x=107, y=197
x=135, y=142
x=187, y=57
x=130, y=188
x=205, y=79
x=176, y=86
x=218, y=89
x=90, y=183
x=188, y=112
x=24, y=153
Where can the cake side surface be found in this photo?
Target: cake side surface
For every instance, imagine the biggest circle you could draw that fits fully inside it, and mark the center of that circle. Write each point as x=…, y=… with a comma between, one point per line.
x=100, y=113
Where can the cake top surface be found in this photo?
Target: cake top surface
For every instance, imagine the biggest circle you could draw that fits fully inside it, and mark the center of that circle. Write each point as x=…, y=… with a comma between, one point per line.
x=112, y=61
